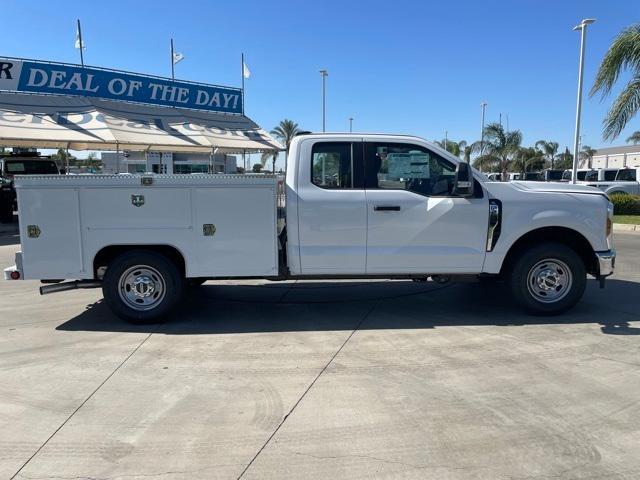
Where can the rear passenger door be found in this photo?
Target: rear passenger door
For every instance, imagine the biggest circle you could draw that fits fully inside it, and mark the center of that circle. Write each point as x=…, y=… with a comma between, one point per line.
x=332, y=211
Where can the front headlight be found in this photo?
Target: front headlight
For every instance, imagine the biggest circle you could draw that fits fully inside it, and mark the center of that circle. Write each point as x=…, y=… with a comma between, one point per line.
x=609, y=225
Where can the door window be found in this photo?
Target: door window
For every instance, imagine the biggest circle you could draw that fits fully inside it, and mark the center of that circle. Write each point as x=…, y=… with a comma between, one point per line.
x=626, y=175
x=400, y=166
x=337, y=165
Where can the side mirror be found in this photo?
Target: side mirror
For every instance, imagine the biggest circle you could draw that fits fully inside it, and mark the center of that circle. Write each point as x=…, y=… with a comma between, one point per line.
x=463, y=181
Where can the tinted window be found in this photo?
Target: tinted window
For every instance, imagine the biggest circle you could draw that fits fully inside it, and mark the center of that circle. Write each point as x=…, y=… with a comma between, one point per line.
x=337, y=165
x=591, y=176
x=554, y=174
x=30, y=167
x=610, y=175
x=626, y=175
x=407, y=167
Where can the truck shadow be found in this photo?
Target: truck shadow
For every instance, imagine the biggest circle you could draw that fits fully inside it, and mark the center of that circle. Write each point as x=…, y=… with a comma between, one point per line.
x=320, y=306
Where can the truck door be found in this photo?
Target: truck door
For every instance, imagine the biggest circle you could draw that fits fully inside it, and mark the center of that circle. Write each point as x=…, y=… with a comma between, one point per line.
x=415, y=223
x=332, y=211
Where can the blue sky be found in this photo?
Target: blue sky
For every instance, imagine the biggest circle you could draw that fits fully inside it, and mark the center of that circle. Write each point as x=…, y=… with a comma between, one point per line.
x=410, y=67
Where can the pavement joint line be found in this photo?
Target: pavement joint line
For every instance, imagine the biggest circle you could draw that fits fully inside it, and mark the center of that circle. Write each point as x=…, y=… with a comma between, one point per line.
x=273, y=434
x=82, y=404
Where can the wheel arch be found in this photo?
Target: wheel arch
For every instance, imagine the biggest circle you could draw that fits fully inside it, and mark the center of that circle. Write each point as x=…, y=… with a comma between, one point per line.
x=563, y=235
x=106, y=254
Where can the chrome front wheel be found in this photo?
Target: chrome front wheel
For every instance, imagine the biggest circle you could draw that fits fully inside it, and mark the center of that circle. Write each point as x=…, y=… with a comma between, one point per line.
x=549, y=280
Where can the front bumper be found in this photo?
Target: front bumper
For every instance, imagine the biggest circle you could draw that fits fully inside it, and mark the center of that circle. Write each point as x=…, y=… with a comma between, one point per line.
x=606, y=262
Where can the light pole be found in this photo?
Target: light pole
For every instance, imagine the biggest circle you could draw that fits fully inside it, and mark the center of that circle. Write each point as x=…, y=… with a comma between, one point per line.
x=350, y=124
x=324, y=74
x=583, y=36
x=483, y=106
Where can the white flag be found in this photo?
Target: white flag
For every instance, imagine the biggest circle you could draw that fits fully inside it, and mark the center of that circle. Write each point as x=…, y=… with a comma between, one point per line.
x=246, y=73
x=84, y=47
x=177, y=57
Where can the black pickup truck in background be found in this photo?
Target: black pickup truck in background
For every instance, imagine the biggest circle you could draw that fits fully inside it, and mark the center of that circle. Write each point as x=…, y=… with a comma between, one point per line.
x=13, y=164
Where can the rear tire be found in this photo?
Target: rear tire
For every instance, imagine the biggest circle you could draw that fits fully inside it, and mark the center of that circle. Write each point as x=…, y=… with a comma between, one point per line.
x=548, y=279
x=142, y=287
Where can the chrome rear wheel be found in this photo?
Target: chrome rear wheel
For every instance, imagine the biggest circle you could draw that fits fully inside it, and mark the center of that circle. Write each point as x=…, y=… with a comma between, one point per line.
x=142, y=287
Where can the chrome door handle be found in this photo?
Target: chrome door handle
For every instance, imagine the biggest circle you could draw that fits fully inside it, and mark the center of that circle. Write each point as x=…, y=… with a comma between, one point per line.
x=387, y=208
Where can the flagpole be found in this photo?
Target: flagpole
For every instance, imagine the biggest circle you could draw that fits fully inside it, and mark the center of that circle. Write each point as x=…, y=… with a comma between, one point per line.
x=81, y=44
x=242, y=76
x=173, y=76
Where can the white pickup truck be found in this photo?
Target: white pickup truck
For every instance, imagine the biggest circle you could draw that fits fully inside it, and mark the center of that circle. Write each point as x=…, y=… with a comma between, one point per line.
x=357, y=206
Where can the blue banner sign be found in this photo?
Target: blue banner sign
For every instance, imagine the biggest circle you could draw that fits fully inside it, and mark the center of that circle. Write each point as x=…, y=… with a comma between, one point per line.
x=42, y=77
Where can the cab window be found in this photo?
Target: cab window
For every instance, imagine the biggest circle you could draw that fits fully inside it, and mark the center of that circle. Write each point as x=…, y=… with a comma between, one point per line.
x=337, y=165
x=610, y=175
x=400, y=166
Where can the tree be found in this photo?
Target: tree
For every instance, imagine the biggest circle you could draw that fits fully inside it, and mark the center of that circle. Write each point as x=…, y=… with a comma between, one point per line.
x=257, y=168
x=269, y=154
x=285, y=131
x=564, y=161
x=528, y=159
x=500, y=146
x=623, y=54
x=635, y=137
x=587, y=154
x=456, y=148
x=549, y=150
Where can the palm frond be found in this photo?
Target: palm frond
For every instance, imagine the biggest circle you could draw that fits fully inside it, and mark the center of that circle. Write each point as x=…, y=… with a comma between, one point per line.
x=623, y=53
x=623, y=109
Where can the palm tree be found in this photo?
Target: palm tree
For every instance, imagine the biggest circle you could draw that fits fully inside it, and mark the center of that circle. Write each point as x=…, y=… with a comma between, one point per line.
x=285, y=131
x=564, y=161
x=635, y=137
x=528, y=158
x=549, y=150
x=269, y=154
x=500, y=146
x=587, y=153
x=623, y=54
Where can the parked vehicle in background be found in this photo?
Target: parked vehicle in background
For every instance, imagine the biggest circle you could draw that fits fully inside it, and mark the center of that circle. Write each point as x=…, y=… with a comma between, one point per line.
x=29, y=163
x=550, y=175
x=494, y=177
x=625, y=181
x=533, y=176
x=583, y=174
x=357, y=206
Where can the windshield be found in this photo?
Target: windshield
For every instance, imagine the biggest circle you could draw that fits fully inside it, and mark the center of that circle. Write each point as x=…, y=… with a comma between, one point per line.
x=626, y=175
x=30, y=167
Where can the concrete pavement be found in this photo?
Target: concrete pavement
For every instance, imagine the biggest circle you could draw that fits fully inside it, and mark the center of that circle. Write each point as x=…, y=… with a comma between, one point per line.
x=323, y=380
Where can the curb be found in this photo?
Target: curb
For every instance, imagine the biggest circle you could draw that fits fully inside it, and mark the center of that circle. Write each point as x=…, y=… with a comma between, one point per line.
x=625, y=227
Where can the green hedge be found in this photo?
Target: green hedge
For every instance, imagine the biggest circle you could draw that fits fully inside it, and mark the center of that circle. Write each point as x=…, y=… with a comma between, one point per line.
x=625, y=204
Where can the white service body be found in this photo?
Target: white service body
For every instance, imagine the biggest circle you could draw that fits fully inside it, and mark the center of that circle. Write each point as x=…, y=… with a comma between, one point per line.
x=79, y=215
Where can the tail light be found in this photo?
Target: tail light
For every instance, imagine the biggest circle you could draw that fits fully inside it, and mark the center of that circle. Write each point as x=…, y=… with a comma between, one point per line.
x=15, y=275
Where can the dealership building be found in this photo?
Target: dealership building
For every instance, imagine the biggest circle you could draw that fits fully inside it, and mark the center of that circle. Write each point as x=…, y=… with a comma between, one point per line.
x=167, y=162
x=615, y=157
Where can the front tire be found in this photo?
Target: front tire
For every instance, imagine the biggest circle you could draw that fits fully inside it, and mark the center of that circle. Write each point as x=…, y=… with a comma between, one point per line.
x=142, y=287
x=548, y=279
